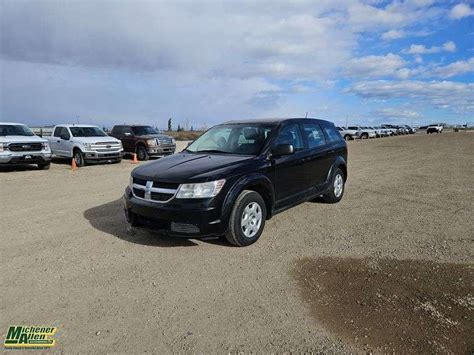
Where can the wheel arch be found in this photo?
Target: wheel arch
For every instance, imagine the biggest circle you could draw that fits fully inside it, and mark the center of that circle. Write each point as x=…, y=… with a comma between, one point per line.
x=254, y=182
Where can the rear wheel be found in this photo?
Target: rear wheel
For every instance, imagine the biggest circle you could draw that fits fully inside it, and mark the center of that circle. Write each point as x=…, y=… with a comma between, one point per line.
x=336, y=190
x=247, y=219
x=78, y=157
x=347, y=137
x=365, y=136
x=142, y=154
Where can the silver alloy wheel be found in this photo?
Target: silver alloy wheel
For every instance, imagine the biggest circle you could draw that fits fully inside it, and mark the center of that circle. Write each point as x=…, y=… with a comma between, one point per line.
x=338, y=185
x=251, y=219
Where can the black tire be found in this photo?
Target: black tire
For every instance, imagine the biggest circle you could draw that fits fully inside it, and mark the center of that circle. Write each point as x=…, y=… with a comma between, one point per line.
x=235, y=235
x=364, y=136
x=347, y=137
x=142, y=154
x=78, y=157
x=330, y=196
x=45, y=166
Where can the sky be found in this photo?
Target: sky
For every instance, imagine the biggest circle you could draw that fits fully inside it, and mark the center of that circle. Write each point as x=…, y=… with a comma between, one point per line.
x=204, y=62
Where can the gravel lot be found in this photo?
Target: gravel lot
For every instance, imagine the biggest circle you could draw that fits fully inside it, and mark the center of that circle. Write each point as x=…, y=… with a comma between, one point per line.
x=68, y=262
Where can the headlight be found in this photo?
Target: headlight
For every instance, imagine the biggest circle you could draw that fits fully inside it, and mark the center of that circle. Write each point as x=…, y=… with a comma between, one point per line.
x=87, y=146
x=45, y=146
x=173, y=140
x=202, y=190
x=151, y=142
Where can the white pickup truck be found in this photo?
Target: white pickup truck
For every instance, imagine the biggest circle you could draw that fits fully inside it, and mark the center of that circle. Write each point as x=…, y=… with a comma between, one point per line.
x=85, y=144
x=20, y=146
x=434, y=128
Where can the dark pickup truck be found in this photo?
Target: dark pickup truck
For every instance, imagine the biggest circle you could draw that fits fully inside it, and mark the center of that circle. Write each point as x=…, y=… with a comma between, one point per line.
x=145, y=141
x=237, y=175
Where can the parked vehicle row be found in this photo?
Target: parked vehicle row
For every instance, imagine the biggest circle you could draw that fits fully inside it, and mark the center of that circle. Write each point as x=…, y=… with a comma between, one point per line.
x=85, y=144
x=366, y=132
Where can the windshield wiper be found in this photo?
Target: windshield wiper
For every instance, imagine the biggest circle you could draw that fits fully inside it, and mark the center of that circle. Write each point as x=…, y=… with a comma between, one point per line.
x=211, y=151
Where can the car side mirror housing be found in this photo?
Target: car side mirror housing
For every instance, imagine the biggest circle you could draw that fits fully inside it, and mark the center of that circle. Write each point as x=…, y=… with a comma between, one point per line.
x=283, y=149
x=64, y=137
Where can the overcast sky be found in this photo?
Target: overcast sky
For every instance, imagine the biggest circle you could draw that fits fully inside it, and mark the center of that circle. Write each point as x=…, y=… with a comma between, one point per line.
x=106, y=62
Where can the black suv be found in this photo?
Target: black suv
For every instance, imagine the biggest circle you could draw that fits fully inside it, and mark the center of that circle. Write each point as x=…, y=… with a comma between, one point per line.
x=237, y=175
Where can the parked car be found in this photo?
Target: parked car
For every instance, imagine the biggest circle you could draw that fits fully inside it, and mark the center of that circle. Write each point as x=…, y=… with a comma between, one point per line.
x=410, y=129
x=145, y=141
x=237, y=175
x=395, y=131
x=20, y=146
x=365, y=132
x=85, y=144
x=383, y=132
x=348, y=134
x=435, y=128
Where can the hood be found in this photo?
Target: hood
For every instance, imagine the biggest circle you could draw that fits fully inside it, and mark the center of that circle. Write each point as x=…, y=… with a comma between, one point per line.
x=188, y=167
x=22, y=139
x=106, y=139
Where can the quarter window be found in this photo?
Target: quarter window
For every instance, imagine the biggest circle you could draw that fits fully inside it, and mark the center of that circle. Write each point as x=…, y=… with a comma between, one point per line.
x=333, y=135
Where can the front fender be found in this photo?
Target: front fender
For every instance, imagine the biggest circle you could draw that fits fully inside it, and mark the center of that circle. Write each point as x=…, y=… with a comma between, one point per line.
x=256, y=181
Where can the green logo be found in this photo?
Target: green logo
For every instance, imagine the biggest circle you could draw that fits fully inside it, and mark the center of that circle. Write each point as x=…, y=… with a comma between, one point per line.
x=19, y=336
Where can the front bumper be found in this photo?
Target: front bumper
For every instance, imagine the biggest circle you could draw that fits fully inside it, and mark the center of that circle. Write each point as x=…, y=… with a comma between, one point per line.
x=93, y=156
x=18, y=158
x=173, y=218
x=160, y=151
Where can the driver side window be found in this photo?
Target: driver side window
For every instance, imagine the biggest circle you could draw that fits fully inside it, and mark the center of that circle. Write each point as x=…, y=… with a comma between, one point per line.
x=290, y=134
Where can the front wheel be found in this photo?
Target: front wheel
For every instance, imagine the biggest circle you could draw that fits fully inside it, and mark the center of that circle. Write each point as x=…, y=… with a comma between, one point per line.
x=142, y=154
x=347, y=137
x=247, y=219
x=365, y=136
x=336, y=191
x=78, y=157
x=45, y=166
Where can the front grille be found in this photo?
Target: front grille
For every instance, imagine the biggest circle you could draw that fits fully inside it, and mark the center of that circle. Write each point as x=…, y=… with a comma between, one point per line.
x=164, y=141
x=156, y=191
x=106, y=147
x=25, y=147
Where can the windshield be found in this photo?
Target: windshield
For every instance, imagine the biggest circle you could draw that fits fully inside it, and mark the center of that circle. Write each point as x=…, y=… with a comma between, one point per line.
x=144, y=130
x=15, y=130
x=245, y=139
x=87, y=132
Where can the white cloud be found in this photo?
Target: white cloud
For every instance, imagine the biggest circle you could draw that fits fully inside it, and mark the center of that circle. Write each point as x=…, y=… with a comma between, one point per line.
x=397, y=113
x=375, y=66
x=454, y=69
x=443, y=94
x=393, y=34
x=449, y=46
x=460, y=11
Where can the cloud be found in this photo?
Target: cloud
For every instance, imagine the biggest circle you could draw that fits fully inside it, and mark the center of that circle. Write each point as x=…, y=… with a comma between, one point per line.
x=460, y=11
x=393, y=34
x=396, y=113
x=375, y=66
x=454, y=69
x=450, y=95
x=449, y=46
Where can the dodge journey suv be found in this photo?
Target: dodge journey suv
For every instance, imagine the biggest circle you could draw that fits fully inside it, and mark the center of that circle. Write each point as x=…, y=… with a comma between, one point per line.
x=236, y=176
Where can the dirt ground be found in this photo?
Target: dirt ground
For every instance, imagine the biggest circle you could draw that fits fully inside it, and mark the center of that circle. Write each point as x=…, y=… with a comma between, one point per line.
x=68, y=262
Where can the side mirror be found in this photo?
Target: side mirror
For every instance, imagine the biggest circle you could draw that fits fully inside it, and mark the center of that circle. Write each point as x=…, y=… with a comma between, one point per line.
x=64, y=137
x=283, y=149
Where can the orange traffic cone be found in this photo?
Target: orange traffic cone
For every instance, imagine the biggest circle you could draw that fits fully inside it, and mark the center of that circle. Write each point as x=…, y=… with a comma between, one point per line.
x=73, y=164
x=134, y=160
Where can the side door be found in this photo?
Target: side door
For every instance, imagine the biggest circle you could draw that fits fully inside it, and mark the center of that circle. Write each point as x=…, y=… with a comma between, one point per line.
x=65, y=144
x=318, y=160
x=289, y=173
x=55, y=140
x=128, y=139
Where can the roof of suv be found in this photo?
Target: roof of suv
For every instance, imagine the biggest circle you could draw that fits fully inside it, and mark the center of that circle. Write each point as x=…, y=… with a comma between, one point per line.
x=272, y=120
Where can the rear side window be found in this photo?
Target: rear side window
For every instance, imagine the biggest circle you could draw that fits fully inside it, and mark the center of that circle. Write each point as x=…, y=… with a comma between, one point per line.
x=290, y=134
x=332, y=133
x=57, y=132
x=314, y=135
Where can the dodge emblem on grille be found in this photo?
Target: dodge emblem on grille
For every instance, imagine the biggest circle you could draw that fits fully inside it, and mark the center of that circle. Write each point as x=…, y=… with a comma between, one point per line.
x=148, y=187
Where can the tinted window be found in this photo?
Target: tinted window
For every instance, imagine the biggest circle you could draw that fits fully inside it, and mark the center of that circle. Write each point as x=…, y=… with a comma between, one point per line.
x=290, y=134
x=57, y=132
x=117, y=130
x=354, y=128
x=314, y=135
x=87, y=132
x=144, y=130
x=332, y=133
